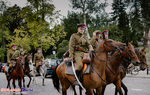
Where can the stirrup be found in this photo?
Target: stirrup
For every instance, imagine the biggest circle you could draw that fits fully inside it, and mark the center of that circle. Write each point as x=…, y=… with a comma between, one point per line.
x=76, y=82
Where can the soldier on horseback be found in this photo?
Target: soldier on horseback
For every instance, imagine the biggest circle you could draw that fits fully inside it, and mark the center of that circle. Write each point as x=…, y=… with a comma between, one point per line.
x=11, y=58
x=105, y=34
x=96, y=38
x=77, y=46
x=38, y=59
x=22, y=52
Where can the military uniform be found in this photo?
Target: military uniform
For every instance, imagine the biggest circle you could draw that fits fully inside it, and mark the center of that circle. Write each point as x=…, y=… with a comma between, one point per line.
x=38, y=57
x=22, y=52
x=12, y=56
x=78, y=53
x=94, y=41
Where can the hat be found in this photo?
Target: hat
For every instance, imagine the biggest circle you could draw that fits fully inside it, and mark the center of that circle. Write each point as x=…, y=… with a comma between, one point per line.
x=14, y=45
x=105, y=32
x=98, y=33
x=81, y=25
x=21, y=47
x=39, y=49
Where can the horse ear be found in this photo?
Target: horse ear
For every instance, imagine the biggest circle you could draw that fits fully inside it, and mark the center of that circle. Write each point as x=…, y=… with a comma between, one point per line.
x=144, y=48
x=127, y=43
x=131, y=42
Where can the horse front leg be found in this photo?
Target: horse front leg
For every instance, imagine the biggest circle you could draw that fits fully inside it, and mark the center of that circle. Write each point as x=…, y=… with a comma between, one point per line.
x=118, y=87
x=103, y=89
x=124, y=87
x=23, y=81
x=29, y=80
x=8, y=85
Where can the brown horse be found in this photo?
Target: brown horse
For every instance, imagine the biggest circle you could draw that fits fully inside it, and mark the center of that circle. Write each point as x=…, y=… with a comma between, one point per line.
x=123, y=68
x=113, y=66
x=28, y=60
x=96, y=78
x=17, y=72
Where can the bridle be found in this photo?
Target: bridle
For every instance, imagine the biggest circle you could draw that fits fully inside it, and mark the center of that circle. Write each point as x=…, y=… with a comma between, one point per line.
x=105, y=51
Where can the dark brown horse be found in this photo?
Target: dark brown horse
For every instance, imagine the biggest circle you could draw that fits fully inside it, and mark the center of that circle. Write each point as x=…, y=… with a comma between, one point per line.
x=96, y=78
x=28, y=60
x=17, y=72
x=123, y=68
x=113, y=66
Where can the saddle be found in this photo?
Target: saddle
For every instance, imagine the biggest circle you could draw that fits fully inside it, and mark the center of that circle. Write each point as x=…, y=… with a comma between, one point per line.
x=86, y=65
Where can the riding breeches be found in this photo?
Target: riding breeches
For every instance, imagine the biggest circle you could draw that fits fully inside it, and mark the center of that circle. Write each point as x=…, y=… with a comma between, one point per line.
x=78, y=57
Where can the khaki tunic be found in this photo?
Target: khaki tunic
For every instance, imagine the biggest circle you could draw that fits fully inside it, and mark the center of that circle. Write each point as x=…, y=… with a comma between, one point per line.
x=13, y=54
x=78, y=55
x=38, y=57
x=94, y=41
x=22, y=52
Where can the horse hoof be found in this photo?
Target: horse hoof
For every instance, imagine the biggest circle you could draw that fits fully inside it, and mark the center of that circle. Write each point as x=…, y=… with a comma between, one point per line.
x=27, y=86
x=43, y=84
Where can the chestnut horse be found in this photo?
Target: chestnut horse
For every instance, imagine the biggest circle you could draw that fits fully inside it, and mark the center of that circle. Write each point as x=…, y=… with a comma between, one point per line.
x=17, y=72
x=123, y=68
x=28, y=60
x=113, y=66
x=96, y=78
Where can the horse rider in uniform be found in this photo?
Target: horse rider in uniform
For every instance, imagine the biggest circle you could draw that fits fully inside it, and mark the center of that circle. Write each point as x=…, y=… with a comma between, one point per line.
x=22, y=52
x=12, y=56
x=96, y=38
x=77, y=46
x=105, y=34
x=38, y=59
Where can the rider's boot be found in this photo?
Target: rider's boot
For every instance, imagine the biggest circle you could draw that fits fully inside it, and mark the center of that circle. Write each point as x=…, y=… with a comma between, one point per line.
x=77, y=73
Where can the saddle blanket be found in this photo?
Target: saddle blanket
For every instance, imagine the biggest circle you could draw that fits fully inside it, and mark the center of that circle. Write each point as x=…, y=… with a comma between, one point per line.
x=69, y=70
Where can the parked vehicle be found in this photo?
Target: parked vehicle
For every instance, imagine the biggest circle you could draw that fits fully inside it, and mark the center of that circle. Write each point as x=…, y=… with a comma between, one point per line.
x=2, y=67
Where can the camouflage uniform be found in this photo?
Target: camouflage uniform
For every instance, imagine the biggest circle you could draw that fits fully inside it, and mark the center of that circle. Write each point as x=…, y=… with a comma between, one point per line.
x=94, y=41
x=78, y=54
x=38, y=57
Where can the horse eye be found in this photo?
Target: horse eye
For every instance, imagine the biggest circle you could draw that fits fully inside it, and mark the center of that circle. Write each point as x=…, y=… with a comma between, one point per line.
x=109, y=41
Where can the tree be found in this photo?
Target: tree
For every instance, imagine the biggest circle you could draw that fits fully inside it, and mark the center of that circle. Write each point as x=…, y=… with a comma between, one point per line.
x=62, y=48
x=121, y=16
x=88, y=7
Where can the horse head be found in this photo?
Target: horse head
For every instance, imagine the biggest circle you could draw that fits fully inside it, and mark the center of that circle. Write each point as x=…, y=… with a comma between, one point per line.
x=111, y=45
x=29, y=58
x=130, y=55
x=21, y=60
x=47, y=63
x=142, y=58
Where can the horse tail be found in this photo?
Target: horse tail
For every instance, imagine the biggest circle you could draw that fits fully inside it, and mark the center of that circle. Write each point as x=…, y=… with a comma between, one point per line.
x=55, y=79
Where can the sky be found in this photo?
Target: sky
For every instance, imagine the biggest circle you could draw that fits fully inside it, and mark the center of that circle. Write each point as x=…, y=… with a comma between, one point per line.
x=62, y=5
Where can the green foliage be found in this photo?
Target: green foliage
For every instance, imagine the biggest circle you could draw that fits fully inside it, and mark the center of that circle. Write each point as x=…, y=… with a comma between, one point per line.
x=114, y=32
x=62, y=48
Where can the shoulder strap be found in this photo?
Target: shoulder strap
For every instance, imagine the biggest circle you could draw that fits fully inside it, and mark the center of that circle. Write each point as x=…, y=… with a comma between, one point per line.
x=14, y=54
x=79, y=40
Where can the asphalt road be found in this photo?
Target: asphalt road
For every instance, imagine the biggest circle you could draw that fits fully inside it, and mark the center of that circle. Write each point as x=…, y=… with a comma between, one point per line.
x=136, y=86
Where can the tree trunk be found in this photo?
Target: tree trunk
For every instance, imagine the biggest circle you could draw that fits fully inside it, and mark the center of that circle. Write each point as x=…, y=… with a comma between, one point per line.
x=146, y=37
x=84, y=16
